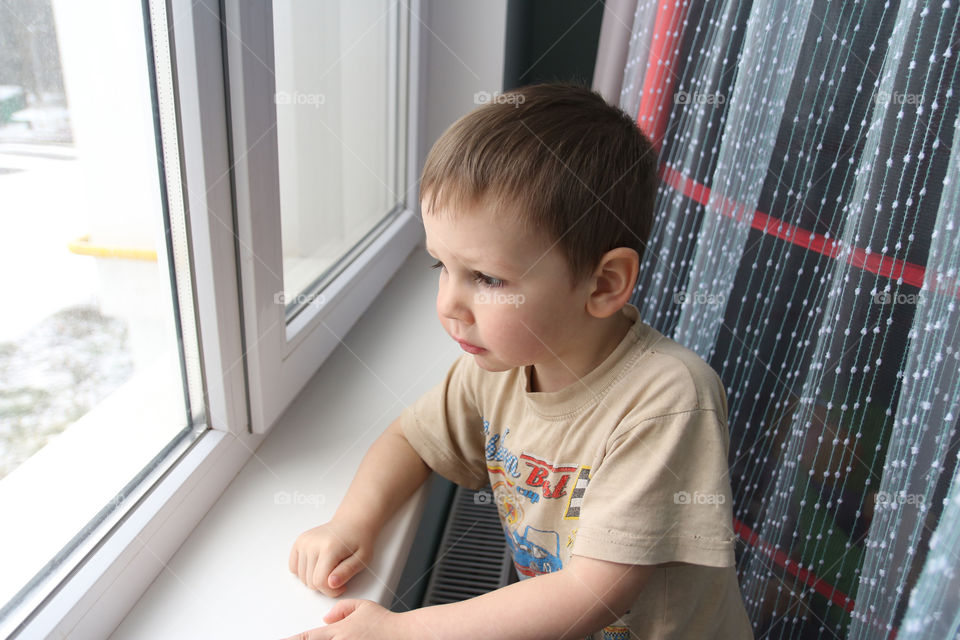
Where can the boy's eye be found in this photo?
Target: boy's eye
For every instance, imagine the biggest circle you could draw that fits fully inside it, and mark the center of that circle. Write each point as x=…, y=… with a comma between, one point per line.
x=485, y=280
x=488, y=281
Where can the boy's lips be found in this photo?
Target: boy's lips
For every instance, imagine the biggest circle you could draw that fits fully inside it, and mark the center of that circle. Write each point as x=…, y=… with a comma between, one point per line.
x=470, y=348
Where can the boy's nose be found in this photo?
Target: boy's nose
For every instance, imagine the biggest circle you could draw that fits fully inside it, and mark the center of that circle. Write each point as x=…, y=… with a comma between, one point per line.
x=451, y=304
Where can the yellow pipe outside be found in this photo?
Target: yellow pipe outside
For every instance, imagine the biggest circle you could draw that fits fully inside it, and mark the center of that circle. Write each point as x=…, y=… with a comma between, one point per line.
x=83, y=247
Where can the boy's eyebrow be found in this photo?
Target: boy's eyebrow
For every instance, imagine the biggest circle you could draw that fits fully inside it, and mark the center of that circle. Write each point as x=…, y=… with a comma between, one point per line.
x=497, y=265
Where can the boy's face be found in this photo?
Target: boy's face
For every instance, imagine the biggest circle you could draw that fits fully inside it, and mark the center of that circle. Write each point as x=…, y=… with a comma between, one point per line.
x=503, y=290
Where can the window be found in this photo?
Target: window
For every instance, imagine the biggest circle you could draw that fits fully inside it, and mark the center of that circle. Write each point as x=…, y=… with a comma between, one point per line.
x=339, y=123
x=205, y=313
x=320, y=142
x=99, y=373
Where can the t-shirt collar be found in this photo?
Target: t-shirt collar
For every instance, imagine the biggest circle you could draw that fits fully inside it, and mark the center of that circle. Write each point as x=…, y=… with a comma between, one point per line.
x=593, y=386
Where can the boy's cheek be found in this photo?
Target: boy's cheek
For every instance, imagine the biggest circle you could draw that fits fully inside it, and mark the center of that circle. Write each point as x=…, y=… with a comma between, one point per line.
x=518, y=342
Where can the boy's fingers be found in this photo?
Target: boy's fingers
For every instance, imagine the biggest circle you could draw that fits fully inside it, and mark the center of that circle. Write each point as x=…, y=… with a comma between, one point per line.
x=319, y=575
x=350, y=567
x=302, y=570
x=293, y=561
x=340, y=610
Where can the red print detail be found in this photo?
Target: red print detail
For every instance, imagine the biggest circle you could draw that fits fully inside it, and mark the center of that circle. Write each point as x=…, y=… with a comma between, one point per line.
x=540, y=473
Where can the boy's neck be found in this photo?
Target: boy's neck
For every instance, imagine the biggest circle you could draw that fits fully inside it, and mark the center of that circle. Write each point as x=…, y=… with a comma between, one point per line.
x=570, y=368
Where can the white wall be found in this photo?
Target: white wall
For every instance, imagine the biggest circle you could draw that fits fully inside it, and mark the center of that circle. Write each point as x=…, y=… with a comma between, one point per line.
x=464, y=54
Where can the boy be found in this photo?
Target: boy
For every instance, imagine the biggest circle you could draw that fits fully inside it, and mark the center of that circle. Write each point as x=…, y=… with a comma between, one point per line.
x=604, y=441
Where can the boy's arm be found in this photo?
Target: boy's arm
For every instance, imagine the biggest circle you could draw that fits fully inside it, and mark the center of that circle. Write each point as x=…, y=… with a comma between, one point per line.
x=328, y=556
x=389, y=473
x=581, y=598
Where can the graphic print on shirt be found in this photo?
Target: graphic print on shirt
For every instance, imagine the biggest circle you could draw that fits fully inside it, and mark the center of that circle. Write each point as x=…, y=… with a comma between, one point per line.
x=549, y=479
x=576, y=496
x=535, y=552
x=616, y=633
x=533, y=476
x=500, y=459
x=508, y=504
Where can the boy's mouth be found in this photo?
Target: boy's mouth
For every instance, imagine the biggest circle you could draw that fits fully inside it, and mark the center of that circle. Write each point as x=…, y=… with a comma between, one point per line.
x=470, y=348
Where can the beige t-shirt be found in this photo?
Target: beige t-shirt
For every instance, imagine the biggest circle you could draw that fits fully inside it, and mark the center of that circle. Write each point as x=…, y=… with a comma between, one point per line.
x=627, y=465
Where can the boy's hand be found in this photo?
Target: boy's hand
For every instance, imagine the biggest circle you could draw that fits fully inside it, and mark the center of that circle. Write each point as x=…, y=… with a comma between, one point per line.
x=349, y=619
x=326, y=557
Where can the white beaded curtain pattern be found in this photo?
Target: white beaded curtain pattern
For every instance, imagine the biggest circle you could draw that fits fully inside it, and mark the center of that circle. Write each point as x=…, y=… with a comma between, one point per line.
x=805, y=245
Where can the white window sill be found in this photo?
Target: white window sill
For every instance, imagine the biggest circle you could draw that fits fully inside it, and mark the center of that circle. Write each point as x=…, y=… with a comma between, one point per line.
x=230, y=576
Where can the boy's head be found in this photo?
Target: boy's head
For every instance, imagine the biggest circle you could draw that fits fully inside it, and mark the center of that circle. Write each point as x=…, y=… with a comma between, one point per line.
x=537, y=207
x=559, y=163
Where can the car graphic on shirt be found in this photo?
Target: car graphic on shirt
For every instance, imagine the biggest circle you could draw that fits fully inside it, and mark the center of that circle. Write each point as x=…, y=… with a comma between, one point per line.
x=535, y=552
x=616, y=633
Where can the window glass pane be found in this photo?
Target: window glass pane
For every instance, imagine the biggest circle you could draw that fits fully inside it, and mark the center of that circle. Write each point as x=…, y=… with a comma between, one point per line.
x=339, y=119
x=91, y=389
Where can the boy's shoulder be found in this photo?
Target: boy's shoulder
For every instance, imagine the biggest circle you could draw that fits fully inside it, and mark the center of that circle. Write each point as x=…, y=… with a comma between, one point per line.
x=675, y=378
x=658, y=376
x=654, y=376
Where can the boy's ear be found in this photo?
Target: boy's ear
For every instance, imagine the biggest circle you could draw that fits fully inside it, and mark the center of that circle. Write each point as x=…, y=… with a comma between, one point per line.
x=613, y=282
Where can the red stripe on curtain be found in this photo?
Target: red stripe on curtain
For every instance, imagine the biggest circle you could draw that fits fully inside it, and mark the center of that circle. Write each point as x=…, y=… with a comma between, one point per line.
x=658, y=82
x=808, y=578
x=884, y=266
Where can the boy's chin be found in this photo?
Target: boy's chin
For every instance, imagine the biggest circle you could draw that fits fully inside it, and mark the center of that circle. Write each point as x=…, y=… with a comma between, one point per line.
x=485, y=362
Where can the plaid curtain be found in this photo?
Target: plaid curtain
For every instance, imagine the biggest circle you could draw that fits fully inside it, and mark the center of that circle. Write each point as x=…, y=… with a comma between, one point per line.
x=806, y=246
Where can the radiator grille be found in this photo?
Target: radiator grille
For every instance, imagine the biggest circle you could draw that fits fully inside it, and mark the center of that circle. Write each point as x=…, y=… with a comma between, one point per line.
x=473, y=557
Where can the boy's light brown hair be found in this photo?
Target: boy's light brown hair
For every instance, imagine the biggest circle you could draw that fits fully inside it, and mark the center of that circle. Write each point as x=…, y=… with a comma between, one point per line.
x=566, y=164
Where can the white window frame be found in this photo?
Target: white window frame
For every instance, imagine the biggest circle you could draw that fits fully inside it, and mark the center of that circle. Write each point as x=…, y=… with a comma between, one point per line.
x=282, y=357
x=106, y=583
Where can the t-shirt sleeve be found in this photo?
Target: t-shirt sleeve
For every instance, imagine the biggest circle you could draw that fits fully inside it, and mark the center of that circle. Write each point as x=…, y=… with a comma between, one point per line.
x=661, y=493
x=445, y=427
